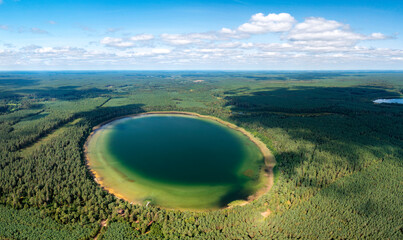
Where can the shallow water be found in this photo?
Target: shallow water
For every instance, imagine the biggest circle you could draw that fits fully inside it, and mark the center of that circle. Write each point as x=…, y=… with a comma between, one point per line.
x=395, y=100
x=176, y=161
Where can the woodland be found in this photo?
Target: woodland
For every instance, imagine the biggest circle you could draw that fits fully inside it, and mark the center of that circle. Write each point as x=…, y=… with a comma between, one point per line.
x=339, y=170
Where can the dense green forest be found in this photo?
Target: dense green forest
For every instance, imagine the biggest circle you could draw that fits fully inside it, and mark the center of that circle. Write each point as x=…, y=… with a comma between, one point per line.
x=339, y=169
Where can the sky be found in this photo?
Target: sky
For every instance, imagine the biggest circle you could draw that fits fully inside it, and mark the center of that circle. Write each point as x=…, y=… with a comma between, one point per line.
x=201, y=35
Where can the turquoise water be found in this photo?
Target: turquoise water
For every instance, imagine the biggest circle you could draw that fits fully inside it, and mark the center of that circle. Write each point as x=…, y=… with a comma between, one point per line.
x=178, y=149
x=394, y=100
x=162, y=157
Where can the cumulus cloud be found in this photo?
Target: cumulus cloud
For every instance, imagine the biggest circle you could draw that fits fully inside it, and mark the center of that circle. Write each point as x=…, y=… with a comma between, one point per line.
x=226, y=33
x=256, y=56
x=116, y=42
x=51, y=50
x=377, y=36
x=322, y=32
x=314, y=41
x=151, y=52
x=314, y=24
x=235, y=45
x=185, y=39
x=177, y=39
x=142, y=37
x=259, y=23
x=126, y=42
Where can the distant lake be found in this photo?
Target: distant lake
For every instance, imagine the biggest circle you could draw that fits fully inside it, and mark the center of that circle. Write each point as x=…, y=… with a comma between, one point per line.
x=175, y=161
x=392, y=100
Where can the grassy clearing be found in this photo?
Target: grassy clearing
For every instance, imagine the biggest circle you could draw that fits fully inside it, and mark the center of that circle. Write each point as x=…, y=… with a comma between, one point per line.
x=49, y=137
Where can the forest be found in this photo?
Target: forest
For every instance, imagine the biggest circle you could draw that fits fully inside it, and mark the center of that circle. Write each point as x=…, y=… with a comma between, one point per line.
x=339, y=169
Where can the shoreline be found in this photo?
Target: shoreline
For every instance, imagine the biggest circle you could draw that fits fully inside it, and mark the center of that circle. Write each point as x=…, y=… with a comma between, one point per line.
x=267, y=170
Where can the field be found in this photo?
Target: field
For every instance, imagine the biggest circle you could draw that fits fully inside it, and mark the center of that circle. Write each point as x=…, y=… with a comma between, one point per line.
x=339, y=156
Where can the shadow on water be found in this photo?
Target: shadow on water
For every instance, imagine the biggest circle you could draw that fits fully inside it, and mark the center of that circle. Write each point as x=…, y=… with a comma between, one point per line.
x=232, y=195
x=318, y=120
x=102, y=115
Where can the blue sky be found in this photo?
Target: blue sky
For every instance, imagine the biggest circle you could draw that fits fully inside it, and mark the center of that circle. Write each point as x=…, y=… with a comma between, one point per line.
x=229, y=34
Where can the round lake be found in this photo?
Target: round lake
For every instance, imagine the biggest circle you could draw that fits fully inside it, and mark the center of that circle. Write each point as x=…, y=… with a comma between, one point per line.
x=175, y=161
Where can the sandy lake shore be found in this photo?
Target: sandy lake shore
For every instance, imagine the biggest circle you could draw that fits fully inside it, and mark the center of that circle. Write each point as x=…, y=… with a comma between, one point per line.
x=269, y=159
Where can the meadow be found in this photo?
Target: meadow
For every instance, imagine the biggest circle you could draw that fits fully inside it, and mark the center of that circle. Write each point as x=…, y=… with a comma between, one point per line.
x=339, y=156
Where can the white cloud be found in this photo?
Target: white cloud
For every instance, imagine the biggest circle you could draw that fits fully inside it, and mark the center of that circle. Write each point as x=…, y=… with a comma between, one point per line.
x=51, y=50
x=185, y=39
x=151, y=52
x=257, y=56
x=123, y=43
x=232, y=45
x=227, y=31
x=52, y=22
x=116, y=42
x=177, y=39
x=377, y=36
x=210, y=50
x=322, y=32
x=313, y=42
x=161, y=51
x=142, y=37
x=313, y=24
x=259, y=23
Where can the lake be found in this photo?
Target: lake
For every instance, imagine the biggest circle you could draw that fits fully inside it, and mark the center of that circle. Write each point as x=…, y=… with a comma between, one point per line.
x=395, y=100
x=175, y=161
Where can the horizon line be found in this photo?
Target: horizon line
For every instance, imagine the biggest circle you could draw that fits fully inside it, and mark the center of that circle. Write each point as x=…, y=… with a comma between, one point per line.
x=205, y=70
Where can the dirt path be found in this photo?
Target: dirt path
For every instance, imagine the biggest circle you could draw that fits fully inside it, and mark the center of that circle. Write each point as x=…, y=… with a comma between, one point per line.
x=269, y=159
x=103, y=224
x=266, y=213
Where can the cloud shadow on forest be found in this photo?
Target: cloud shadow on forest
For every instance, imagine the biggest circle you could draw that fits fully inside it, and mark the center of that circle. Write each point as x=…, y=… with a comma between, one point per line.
x=342, y=122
